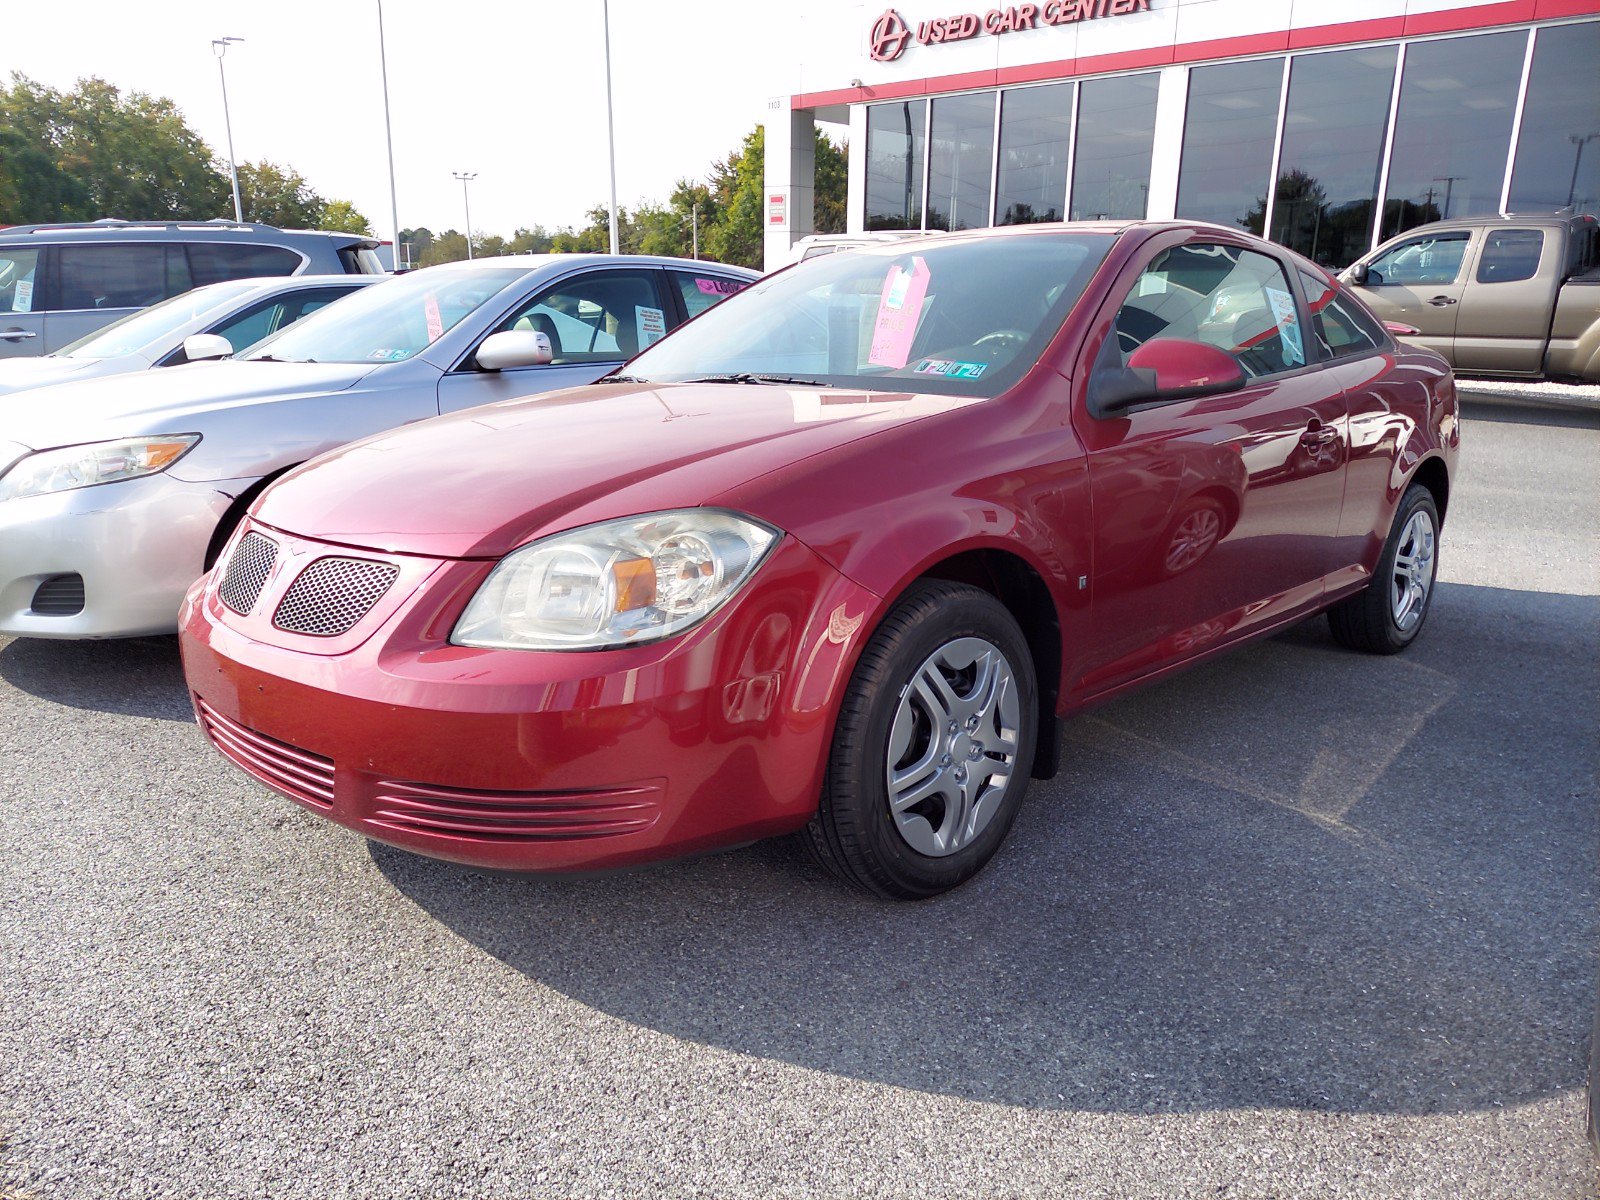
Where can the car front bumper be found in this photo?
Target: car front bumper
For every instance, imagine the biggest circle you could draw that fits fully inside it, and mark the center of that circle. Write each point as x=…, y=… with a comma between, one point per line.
x=528, y=760
x=137, y=545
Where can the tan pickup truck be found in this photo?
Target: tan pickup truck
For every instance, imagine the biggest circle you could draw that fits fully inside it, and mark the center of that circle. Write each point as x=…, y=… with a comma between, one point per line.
x=1513, y=297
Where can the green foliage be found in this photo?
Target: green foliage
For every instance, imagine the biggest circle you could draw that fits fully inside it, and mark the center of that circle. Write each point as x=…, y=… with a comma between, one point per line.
x=96, y=152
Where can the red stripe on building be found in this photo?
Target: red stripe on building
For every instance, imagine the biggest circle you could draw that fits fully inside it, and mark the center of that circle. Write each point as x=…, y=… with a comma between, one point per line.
x=1456, y=20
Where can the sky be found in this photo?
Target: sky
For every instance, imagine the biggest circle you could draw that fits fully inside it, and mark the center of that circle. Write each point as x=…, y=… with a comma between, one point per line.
x=515, y=92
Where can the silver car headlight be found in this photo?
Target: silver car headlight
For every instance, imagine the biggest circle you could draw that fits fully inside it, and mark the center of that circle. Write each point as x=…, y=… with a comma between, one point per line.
x=69, y=467
x=618, y=583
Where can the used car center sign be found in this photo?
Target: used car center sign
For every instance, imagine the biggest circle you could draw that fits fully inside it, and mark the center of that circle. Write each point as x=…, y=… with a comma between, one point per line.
x=890, y=33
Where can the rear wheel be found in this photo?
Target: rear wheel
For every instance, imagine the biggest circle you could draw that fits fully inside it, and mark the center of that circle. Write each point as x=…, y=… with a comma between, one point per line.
x=933, y=749
x=1386, y=616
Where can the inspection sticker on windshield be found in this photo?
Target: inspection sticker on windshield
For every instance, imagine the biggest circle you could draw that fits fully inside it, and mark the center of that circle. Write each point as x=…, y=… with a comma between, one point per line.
x=899, y=310
x=389, y=355
x=952, y=370
x=652, y=325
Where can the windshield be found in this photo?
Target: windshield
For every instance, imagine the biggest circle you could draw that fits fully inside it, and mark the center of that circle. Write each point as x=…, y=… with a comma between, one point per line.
x=964, y=318
x=137, y=330
x=391, y=321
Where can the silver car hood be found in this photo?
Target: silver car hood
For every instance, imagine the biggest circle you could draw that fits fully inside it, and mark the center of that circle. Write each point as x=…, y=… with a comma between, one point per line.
x=21, y=374
x=172, y=400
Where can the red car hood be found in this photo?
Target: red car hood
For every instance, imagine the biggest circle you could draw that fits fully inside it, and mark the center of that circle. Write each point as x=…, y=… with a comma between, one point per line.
x=479, y=483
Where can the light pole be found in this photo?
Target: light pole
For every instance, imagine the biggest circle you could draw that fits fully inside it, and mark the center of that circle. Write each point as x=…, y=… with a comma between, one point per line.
x=388, y=133
x=611, y=129
x=1577, y=161
x=466, y=177
x=219, y=47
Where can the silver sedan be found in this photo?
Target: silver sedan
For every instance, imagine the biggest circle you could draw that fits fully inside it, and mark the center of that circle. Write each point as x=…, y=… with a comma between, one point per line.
x=208, y=322
x=116, y=494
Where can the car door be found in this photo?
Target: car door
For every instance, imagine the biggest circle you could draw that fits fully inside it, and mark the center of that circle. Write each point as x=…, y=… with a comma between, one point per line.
x=1214, y=516
x=1504, y=316
x=98, y=282
x=1419, y=282
x=21, y=301
x=595, y=319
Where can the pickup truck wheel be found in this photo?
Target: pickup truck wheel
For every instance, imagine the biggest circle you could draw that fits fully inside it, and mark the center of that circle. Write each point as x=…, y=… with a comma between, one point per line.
x=932, y=751
x=1386, y=616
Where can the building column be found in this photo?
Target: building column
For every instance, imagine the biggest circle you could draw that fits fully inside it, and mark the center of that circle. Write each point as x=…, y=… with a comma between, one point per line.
x=855, y=217
x=1172, y=101
x=788, y=209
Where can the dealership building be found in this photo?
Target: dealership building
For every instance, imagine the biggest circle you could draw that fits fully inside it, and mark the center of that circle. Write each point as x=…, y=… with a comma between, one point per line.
x=1328, y=125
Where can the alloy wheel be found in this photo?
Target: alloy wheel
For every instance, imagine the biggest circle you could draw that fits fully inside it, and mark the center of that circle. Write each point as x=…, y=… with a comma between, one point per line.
x=1412, y=578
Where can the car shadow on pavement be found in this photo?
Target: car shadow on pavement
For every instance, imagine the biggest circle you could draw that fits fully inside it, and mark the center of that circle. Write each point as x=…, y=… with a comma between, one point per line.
x=138, y=677
x=1296, y=877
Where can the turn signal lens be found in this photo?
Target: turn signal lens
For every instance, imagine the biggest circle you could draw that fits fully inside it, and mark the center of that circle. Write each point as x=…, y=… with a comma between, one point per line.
x=616, y=584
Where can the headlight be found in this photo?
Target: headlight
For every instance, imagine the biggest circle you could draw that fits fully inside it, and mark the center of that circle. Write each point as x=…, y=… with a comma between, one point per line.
x=70, y=467
x=615, y=584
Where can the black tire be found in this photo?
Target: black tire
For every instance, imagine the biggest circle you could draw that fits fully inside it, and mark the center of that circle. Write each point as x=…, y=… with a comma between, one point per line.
x=854, y=834
x=1367, y=620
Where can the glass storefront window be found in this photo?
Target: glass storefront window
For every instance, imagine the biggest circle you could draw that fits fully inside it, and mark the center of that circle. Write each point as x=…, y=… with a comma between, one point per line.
x=895, y=135
x=960, y=161
x=1035, y=140
x=1558, y=151
x=1228, y=128
x=1453, y=129
x=1338, y=113
x=1116, y=133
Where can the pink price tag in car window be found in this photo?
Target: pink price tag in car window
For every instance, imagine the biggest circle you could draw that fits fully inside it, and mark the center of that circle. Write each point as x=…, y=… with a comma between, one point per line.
x=430, y=312
x=899, y=311
x=718, y=287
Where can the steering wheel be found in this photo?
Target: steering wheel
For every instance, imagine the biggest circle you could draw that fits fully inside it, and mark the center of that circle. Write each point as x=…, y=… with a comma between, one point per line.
x=1002, y=336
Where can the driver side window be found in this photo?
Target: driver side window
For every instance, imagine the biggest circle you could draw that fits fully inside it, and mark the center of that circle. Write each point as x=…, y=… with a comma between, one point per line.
x=601, y=317
x=1434, y=260
x=1224, y=296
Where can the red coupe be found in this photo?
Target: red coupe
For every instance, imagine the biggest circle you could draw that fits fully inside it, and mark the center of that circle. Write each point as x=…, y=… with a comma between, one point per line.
x=835, y=557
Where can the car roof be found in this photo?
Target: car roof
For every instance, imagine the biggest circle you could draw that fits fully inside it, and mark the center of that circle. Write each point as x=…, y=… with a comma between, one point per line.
x=112, y=228
x=534, y=262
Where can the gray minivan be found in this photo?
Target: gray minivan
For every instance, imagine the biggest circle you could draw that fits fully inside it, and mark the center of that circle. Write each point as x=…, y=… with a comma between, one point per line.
x=59, y=283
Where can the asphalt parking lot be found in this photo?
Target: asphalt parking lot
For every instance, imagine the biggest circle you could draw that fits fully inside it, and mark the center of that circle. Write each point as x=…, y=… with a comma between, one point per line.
x=1297, y=923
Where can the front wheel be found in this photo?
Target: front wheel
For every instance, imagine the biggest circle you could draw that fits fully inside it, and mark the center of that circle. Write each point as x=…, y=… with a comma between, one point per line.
x=1386, y=616
x=933, y=749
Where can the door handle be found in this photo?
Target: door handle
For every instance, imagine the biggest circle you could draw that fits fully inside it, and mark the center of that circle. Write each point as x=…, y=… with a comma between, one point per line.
x=17, y=335
x=1319, y=435
x=1441, y=301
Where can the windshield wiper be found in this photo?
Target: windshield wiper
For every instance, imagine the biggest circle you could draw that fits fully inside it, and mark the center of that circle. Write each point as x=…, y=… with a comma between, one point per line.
x=753, y=377
x=621, y=379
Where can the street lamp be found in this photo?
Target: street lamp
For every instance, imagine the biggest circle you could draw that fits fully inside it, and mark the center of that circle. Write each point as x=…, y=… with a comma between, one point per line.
x=388, y=133
x=466, y=177
x=219, y=47
x=611, y=129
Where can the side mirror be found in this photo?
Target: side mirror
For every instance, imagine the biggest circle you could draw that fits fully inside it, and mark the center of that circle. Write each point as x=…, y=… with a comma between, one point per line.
x=513, y=348
x=199, y=347
x=1357, y=274
x=1163, y=370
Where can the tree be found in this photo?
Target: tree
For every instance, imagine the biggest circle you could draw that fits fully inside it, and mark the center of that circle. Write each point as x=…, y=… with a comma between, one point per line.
x=832, y=185
x=93, y=152
x=449, y=246
x=341, y=216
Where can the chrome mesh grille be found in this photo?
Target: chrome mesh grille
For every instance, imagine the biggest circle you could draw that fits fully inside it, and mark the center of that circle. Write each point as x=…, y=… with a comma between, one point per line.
x=247, y=571
x=332, y=594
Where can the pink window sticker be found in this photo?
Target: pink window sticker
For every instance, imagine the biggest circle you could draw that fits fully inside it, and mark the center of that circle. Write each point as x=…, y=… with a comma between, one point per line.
x=430, y=311
x=718, y=287
x=899, y=311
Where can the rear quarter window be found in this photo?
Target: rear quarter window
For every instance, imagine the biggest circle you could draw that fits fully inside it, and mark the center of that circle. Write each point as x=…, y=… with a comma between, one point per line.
x=1342, y=326
x=703, y=289
x=1510, y=255
x=215, y=262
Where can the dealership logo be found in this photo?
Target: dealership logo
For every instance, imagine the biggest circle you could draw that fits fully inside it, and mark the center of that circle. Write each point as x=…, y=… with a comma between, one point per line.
x=891, y=35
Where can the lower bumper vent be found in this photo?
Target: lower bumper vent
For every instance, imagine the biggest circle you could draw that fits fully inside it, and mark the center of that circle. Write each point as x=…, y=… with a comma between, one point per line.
x=59, y=596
